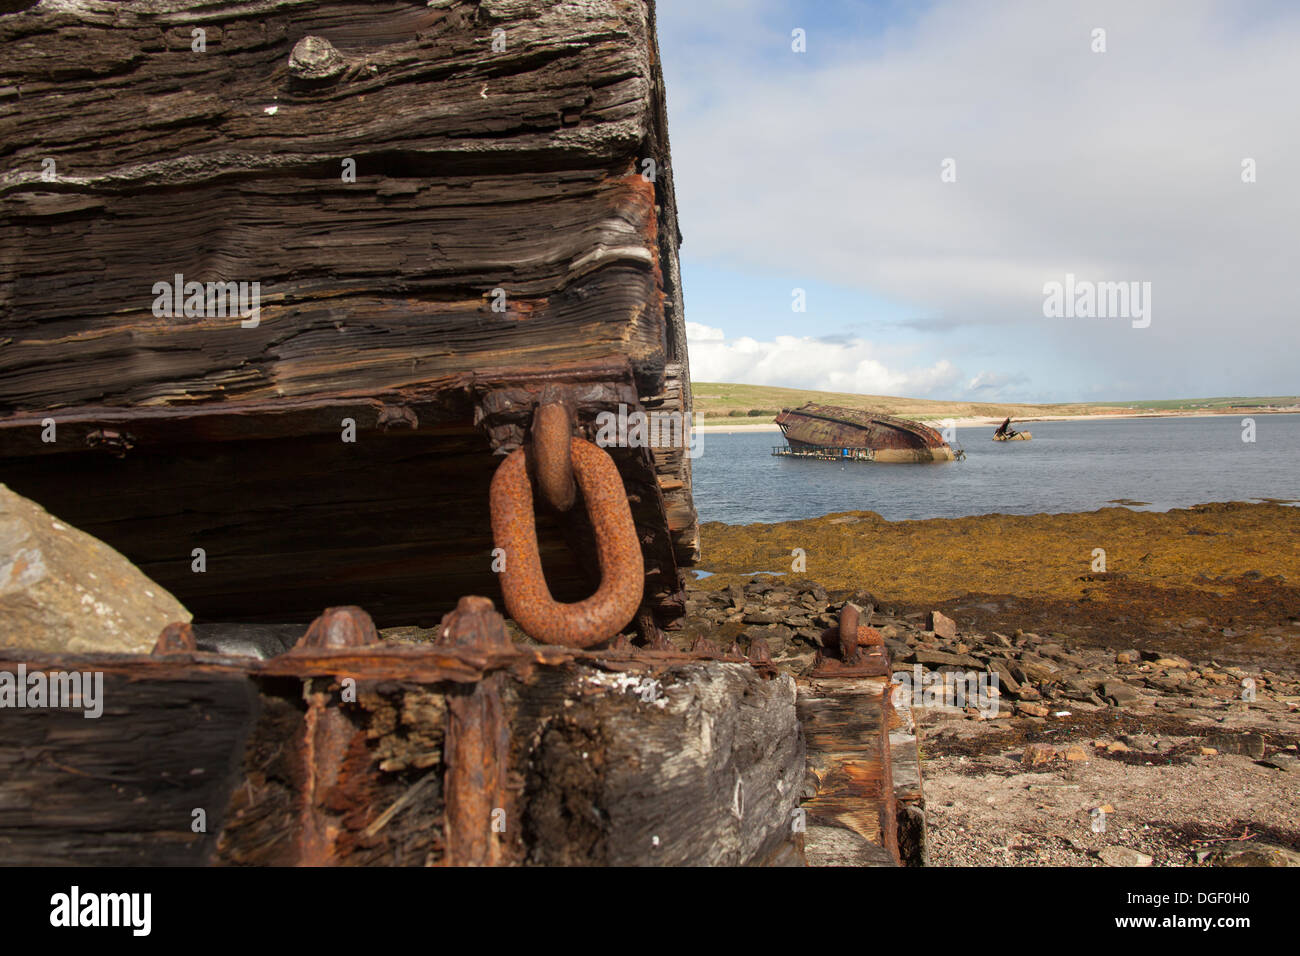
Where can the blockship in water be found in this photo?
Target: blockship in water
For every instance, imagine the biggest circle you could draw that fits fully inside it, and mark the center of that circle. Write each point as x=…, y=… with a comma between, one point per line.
x=887, y=438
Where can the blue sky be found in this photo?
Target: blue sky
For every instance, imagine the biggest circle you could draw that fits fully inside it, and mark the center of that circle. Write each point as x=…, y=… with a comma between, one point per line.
x=821, y=171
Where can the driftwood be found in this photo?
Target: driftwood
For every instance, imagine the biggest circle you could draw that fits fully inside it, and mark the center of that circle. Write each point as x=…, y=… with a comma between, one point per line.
x=511, y=224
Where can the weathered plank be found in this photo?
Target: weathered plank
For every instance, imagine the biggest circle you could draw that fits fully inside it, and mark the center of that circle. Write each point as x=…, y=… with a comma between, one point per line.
x=477, y=169
x=124, y=788
x=909, y=795
x=699, y=764
x=852, y=815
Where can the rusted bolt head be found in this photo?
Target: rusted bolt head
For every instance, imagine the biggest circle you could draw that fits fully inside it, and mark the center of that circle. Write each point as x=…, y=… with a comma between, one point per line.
x=660, y=642
x=476, y=624
x=314, y=59
x=176, y=638
x=705, y=648
x=340, y=627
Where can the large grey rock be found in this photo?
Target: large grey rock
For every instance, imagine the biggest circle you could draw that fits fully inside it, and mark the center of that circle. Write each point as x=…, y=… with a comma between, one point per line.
x=943, y=658
x=1261, y=855
x=1120, y=693
x=62, y=590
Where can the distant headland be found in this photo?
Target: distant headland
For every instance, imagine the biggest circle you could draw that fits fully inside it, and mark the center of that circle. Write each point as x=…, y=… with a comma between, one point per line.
x=727, y=406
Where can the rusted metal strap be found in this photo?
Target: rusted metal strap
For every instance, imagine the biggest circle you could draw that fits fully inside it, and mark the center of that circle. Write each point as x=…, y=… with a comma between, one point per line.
x=479, y=828
x=622, y=569
x=330, y=741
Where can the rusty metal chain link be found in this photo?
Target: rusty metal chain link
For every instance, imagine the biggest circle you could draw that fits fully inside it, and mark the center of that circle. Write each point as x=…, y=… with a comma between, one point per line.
x=622, y=569
x=554, y=463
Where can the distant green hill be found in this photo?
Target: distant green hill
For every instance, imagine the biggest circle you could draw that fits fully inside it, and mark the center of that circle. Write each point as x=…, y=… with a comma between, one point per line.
x=722, y=403
x=1209, y=404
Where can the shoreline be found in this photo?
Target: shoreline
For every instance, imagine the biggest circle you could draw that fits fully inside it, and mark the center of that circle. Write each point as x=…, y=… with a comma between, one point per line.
x=1156, y=689
x=987, y=422
x=1178, y=553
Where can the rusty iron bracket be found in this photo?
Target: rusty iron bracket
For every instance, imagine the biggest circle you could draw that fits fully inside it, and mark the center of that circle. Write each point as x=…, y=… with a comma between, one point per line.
x=506, y=414
x=852, y=649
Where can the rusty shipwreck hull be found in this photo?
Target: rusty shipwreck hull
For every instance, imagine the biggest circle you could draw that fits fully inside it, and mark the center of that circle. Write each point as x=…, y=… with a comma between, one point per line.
x=889, y=439
x=448, y=209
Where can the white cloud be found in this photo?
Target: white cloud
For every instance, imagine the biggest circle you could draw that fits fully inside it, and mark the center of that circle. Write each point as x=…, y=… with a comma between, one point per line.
x=1116, y=166
x=991, y=383
x=695, y=332
x=800, y=362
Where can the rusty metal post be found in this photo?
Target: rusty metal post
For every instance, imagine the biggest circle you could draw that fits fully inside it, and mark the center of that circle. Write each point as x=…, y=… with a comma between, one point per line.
x=480, y=826
x=328, y=735
x=857, y=650
x=849, y=633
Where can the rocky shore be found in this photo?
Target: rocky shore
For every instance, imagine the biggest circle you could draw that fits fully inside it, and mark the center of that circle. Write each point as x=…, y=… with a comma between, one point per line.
x=1145, y=712
x=1149, y=714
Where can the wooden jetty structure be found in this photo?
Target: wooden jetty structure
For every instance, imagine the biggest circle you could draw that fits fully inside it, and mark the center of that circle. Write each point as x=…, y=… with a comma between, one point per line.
x=814, y=426
x=823, y=453
x=333, y=294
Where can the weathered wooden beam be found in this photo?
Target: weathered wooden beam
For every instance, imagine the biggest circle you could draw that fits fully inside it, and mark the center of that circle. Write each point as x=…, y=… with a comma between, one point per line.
x=852, y=817
x=400, y=755
x=483, y=162
x=502, y=230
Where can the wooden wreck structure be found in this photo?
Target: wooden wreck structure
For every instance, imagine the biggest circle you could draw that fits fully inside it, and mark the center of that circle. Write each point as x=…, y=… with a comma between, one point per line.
x=813, y=428
x=457, y=215
x=447, y=208
x=1006, y=433
x=473, y=750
